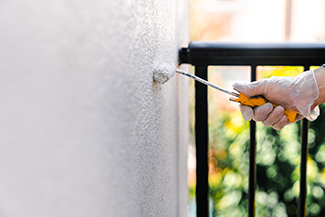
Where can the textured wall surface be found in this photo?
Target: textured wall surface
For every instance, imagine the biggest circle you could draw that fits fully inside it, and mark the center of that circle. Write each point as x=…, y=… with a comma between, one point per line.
x=84, y=131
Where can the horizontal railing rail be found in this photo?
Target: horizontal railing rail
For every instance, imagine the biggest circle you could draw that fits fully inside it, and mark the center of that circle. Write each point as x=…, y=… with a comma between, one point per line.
x=285, y=53
x=204, y=54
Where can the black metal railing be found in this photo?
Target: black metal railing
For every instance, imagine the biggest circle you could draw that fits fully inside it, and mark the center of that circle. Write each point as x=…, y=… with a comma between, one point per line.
x=204, y=54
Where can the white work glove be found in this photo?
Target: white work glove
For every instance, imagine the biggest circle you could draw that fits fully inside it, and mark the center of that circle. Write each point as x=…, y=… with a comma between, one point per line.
x=294, y=93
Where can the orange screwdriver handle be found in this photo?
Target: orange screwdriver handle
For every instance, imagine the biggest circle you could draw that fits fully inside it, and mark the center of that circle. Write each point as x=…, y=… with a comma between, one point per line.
x=256, y=101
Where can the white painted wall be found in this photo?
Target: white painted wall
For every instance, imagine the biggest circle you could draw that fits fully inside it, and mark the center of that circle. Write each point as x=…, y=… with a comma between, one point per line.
x=84, y=131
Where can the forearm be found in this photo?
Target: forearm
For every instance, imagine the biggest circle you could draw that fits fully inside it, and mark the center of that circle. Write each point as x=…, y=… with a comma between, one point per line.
x=320, y=78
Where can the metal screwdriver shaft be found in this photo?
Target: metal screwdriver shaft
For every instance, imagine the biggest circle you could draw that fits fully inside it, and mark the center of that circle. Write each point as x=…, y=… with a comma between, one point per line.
x=207, y=83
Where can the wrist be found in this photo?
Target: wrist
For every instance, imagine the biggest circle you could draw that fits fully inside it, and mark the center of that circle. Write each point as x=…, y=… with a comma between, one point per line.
x=320, y=79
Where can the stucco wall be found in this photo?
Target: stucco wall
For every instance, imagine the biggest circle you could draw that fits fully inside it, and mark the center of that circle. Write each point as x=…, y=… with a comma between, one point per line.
x=84, y=131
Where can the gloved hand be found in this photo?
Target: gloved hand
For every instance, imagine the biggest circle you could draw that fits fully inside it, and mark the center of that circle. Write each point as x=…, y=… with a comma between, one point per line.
x=294, y=93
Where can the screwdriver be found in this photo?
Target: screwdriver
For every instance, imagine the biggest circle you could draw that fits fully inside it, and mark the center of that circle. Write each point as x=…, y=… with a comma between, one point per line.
x=253, y=102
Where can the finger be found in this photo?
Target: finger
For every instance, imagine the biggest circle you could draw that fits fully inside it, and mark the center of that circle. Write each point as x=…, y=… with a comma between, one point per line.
x=281, y=123
x=247, y=112
x=262, y=112
x=274, y=116
x=251, y=89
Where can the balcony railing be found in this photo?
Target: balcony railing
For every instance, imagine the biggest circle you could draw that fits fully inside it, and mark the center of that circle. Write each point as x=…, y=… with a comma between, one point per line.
x=204, y=54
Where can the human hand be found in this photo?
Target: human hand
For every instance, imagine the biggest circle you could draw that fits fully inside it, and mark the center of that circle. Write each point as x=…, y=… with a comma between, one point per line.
x=294, y=93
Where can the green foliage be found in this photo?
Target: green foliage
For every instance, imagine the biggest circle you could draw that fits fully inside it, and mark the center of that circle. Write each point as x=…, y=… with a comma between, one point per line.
x=278, y=169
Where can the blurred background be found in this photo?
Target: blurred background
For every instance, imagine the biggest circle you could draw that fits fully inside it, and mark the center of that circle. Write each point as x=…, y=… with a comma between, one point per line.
x=278, y=152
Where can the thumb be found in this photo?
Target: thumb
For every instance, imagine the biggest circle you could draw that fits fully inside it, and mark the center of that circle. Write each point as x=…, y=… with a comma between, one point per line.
x=251, y=89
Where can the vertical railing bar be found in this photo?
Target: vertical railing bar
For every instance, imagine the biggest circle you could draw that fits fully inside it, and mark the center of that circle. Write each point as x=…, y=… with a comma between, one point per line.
x=201, y=139
x=302, y=210
x=252, y=157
